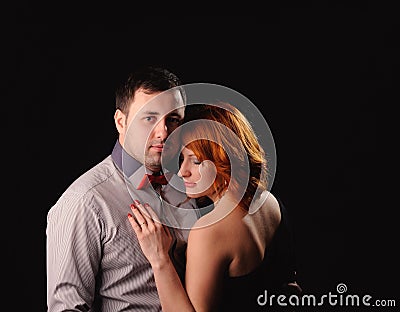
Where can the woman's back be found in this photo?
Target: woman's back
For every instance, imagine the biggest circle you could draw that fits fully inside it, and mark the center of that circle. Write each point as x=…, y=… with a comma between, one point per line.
x=260, y=252
x=253, y=233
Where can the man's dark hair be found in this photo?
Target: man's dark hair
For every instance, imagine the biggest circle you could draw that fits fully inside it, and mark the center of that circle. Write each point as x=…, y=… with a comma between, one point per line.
x=149, y=78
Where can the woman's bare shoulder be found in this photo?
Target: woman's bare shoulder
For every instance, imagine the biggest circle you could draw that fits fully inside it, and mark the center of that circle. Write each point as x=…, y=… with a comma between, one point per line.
x=267, y=202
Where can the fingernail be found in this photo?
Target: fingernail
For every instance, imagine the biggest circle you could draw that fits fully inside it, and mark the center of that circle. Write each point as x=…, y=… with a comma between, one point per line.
x=129, y=215
x=133, y=206
x=136, y=202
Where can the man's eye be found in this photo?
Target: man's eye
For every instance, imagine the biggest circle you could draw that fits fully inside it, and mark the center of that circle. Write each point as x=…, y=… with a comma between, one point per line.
x=173, y=120
x=149, y=118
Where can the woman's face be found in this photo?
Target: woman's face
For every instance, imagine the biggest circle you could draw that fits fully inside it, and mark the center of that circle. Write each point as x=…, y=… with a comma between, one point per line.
x=198, y=176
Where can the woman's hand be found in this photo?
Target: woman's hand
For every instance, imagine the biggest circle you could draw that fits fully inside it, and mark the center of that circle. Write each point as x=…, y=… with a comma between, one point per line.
x=154, y=238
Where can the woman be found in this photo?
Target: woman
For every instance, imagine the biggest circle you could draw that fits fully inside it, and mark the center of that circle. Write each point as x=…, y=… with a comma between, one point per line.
x=239, y=249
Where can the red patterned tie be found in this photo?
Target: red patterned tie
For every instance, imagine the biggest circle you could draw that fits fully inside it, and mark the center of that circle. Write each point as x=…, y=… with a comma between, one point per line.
x=153, y=179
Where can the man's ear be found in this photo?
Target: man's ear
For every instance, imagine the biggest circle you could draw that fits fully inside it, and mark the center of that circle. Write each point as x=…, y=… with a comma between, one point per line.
x=120, y=121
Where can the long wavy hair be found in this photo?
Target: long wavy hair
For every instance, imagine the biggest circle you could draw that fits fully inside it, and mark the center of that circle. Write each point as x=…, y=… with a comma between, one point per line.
x=226, y=138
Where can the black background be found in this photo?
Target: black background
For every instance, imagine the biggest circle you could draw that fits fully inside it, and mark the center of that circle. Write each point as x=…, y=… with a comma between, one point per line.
x=319, y=73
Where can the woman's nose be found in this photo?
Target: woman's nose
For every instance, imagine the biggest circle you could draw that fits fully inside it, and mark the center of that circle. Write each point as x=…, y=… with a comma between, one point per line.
x=183, y=172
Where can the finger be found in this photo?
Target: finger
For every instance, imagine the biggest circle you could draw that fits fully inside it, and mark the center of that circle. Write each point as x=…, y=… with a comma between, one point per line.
x=138, y=215
x=139, y=205
x=134, y=224
x=153, y=215
x=145, y=214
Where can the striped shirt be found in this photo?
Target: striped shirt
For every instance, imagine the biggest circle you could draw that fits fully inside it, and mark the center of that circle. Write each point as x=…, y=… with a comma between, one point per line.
x=94, y=260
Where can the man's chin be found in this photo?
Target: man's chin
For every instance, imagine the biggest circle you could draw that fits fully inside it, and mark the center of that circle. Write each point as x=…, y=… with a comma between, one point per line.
x=153, y=163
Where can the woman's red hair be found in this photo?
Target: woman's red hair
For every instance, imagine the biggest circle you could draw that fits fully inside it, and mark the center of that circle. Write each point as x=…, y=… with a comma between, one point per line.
x=211, y=140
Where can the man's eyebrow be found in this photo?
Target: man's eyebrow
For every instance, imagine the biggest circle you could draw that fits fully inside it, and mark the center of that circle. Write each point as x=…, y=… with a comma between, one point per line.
x=150, y=113
x=173, y=114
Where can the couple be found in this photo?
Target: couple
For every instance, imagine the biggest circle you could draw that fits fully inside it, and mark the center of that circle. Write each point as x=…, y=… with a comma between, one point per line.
x=96, y=262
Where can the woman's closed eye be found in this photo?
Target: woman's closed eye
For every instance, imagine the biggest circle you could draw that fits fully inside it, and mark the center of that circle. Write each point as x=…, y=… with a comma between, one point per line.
x=196, y=162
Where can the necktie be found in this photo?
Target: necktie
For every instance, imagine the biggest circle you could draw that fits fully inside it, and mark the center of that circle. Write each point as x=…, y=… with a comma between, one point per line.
x=153, y=179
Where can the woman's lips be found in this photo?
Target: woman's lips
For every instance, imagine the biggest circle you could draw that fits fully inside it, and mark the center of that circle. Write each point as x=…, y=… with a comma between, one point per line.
x=190, y=184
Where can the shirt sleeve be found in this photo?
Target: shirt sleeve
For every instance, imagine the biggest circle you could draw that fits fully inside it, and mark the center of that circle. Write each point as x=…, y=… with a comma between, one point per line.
x=73, y=242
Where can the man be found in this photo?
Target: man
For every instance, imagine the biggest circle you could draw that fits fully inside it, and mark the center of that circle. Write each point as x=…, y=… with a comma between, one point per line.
x=94, y=261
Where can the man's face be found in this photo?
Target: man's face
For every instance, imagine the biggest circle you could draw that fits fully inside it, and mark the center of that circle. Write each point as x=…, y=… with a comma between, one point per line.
x=151, y=119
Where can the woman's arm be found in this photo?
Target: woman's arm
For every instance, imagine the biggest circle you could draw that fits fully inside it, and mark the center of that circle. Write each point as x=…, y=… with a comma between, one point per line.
x=155, y=240
x=205, y=264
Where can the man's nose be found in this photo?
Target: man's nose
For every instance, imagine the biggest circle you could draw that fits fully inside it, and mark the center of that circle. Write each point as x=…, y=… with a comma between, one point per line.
x=160, y=130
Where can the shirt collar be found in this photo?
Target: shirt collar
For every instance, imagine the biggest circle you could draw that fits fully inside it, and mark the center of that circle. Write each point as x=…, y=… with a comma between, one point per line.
x=132, y=169
x=125, y=162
